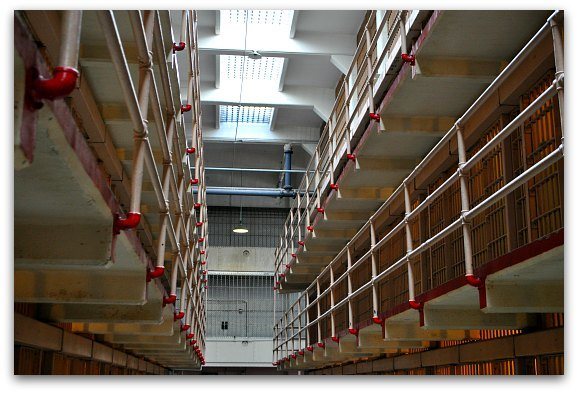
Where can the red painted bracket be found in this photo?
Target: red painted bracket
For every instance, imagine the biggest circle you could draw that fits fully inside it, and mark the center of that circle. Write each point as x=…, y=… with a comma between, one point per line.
x=375, y=116
x=61, y=84
x=408, y=58
x=178, y=47
x=121, y=224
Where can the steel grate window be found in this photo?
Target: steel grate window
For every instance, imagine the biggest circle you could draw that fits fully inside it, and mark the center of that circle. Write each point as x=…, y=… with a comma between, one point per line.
x=265, y=226
x=242, y=305
x=245, y=114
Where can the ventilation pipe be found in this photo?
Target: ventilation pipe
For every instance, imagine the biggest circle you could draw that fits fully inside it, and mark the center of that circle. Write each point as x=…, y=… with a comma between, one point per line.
x=266, y=192
x=288, y=150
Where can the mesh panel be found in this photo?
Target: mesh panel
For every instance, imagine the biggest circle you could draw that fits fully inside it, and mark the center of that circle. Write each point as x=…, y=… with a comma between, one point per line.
x=242, y=305
x=265, y=226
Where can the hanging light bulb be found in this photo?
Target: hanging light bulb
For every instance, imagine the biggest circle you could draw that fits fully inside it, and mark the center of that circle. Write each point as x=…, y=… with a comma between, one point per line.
x=240, y=228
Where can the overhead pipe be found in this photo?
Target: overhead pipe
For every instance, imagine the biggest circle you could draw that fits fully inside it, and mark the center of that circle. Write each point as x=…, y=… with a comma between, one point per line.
x=65, y=75
x=134, y=105
x=266, y=192
x=288, y=151
x=264, y=170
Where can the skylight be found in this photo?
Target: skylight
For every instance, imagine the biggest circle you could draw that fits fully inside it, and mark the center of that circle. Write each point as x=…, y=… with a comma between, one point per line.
x=235, y=68
x=262, y=21
x=245, y=114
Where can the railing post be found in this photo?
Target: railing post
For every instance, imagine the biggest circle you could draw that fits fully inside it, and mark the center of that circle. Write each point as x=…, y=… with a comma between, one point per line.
x=465, y=203
x=332, y=299
x=409, y=248
x=369, y=69
x=307, y=335
x=318, y=286
x=299, y=322
x=559, y=62
x=349, y=290
x=374, y=297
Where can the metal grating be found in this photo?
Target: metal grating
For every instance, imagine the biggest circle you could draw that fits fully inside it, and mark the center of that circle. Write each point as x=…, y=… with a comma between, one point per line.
x=242, y=305
x=265, y=226
x=245, y=114
x=277, y=19
x=241, y=67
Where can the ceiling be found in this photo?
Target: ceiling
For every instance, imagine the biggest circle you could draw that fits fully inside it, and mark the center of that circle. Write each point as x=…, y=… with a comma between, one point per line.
x=286, y=96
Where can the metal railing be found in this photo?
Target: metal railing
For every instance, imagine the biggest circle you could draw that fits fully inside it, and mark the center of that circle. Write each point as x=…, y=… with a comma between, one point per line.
x=353, y=100
x=295, y=324
x=177, y=205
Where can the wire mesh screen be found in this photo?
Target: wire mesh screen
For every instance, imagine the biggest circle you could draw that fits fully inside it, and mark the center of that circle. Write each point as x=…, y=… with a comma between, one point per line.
x=242, y=305
x=264, y=225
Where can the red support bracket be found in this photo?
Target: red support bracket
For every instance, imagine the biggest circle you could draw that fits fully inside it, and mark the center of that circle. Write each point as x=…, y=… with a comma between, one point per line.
x=179, y=315
x=474, y=281
x=193, y=342
x=310, y=348
x=202, y=252
x=293, y=255
x=408, y=58
x=203, y=263
x=321, y=344
x=199, y=224
x=310, y=228
x=157, y=272
x=194, y=181
x=190, y=335
x=185, y=327
x=275, y=364
x=334, y=186
x=197, y=205
x=375, y=116
x=131, y=221
x=282, y=275
x=353, y=331
x=321, y=210
x=377, y=320
x=301, y=352
x=61, y=84
x=178, y=47
x=288, y=266
x=415, y=305
x=201, y=239
x=301, y=242
x=186, y=108
x=351, y=157
x=169, y=300
x=294, y=356
x=335, y=339
x=191, y=150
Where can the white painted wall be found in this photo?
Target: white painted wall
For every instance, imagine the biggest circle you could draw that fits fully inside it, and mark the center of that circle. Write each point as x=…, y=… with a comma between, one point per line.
x=239, y=353
x=242, y=259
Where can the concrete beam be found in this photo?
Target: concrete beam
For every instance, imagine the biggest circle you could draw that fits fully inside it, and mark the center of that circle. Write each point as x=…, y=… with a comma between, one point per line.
x=524, y=297
x=341, y=62
x=394, y=331
x=317, y=98
x=467, y=318
x=484, y=70
x=260, y=134
x=310, y=44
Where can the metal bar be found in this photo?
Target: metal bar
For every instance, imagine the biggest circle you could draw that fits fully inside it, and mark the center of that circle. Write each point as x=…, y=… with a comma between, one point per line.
x=70, y=38
x=225, y=169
